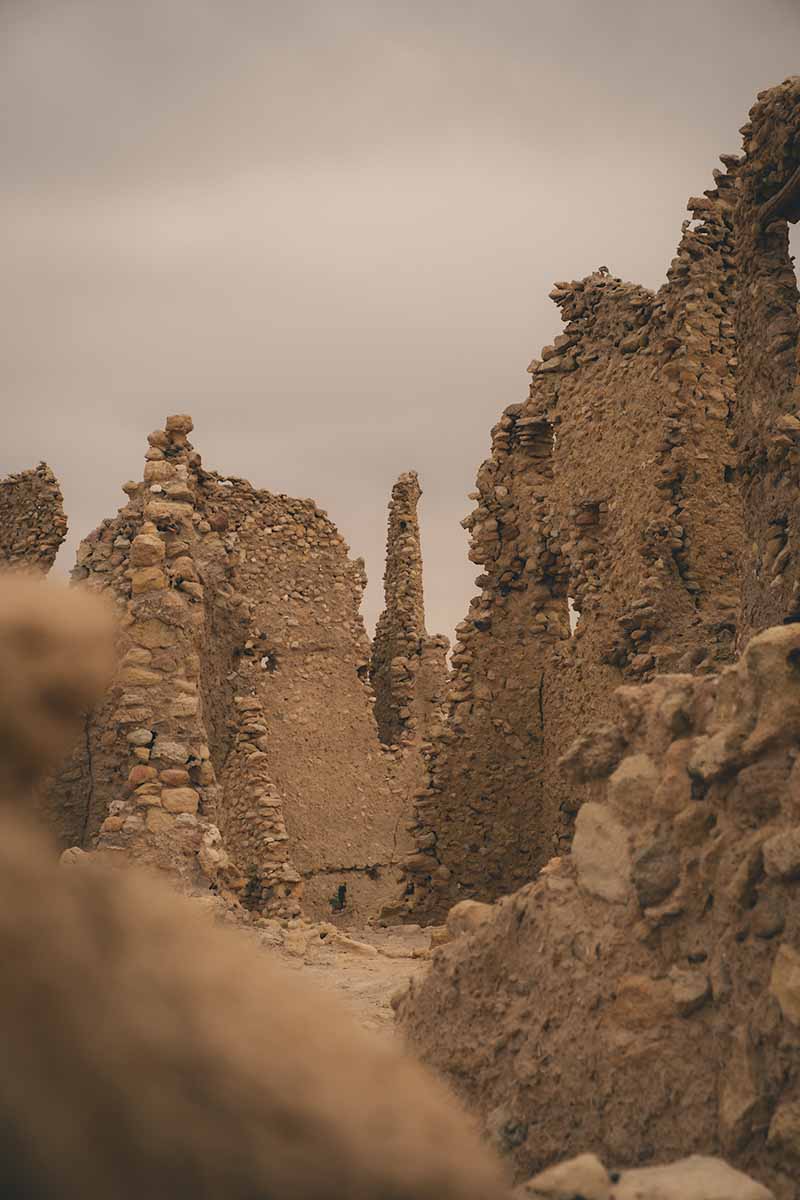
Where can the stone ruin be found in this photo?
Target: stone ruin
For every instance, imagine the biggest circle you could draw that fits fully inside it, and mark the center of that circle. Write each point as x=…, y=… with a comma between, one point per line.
x=408, y=668
x=617, y=739
x=637, y=516
x=642, y=997
x=238, y=743
x=32, y=520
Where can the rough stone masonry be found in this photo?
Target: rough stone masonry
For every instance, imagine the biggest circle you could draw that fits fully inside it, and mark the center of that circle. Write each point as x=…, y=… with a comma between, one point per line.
x=238, y=742
x=408, y=669
x=649, y=485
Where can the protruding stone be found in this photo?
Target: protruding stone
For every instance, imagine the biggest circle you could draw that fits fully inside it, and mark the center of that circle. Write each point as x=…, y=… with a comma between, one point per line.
x=785, y=982
x=180, y=800
x=601, y=853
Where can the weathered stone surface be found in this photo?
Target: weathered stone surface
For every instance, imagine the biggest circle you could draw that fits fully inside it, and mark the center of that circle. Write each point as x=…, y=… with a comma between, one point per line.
x=600, y=1014
x=785, y=982
x=468, y=916
x=32, y=520
x=601, y=854
x=655, y=872
x=632, y=787
x=582, y=1176
x=782, y=855
x=610, y=533
x=784, y=1129
x=695, y=1178
x=180, y=800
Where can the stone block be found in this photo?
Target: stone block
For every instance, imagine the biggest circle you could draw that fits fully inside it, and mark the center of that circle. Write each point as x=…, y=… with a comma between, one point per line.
x=180, y=800
x=601, y=853
x=785, y=982
x=782, y=855
x=467, y=916
x=633, y=785
x=148, y=579
x=147, y=550
x=159, y=821
x=784, y=1128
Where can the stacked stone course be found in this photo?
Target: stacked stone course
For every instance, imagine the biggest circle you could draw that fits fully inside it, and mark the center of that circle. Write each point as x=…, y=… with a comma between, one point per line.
x=32, y=520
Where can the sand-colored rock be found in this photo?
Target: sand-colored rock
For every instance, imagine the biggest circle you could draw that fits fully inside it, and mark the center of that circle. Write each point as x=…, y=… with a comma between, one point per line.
x=32, y=520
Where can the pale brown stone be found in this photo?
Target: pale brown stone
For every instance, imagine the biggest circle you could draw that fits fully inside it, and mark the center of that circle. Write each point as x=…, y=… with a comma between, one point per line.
x=180, y=800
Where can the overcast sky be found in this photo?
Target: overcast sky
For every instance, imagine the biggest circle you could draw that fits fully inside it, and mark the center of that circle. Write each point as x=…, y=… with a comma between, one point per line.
x=328, y=230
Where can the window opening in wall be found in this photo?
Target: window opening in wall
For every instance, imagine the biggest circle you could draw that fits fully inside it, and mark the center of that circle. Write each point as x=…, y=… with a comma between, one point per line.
x=728, y=474
x=574, y=615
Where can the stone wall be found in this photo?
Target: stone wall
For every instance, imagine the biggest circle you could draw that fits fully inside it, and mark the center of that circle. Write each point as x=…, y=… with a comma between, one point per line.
x=344, y=812
x=610, y=497
x=408, y=668
x=642, y=996
x=32, y=520
x=238, y=742
x=767, y=413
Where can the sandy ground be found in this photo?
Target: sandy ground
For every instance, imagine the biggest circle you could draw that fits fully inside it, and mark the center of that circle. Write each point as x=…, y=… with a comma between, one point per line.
x=363, y=968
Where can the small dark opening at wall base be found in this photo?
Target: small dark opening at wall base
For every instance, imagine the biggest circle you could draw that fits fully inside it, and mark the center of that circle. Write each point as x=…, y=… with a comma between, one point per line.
x=729, y=474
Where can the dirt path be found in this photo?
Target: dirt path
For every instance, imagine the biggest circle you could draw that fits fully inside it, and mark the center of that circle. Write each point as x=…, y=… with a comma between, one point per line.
x=363, y=968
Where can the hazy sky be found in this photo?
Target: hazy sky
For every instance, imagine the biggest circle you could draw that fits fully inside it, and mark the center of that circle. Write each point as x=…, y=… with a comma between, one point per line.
x=328, y=230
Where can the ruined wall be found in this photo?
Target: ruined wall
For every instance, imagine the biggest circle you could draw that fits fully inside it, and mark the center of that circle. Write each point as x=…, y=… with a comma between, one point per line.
x=610, y=492
x=238, y=741
x=767, y=415
x=142, y=783
x=642, y=997
x=344, y=817
x=408, y=668
x=32, y=520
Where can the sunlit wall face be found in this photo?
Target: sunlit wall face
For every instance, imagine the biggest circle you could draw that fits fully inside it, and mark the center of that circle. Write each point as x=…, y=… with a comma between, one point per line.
x=328, y=230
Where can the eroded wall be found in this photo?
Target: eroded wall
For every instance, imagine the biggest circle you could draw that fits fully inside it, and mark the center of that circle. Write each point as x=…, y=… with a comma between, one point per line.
x=344, y=818
x=238, y=743
x=32, y=520
x=767, y=418
x=610, y=493
x=408, y=668
x=644, y=992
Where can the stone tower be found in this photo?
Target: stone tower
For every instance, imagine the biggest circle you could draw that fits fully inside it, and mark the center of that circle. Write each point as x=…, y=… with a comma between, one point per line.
x=408, y=669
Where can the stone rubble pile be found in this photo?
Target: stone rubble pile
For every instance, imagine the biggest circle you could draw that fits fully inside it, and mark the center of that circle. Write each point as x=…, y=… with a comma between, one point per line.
x=642, y=996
